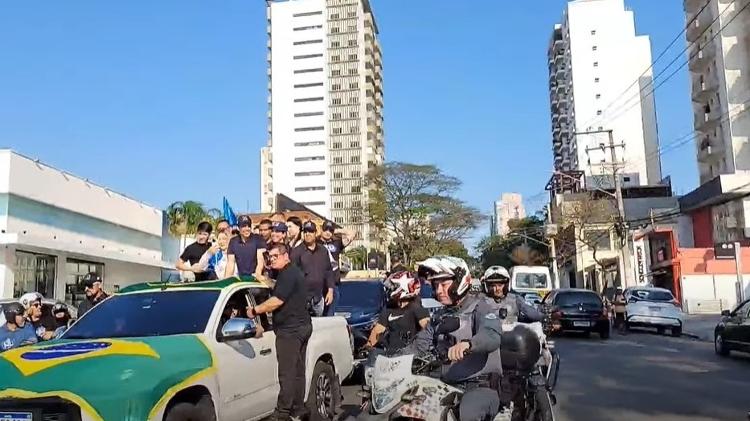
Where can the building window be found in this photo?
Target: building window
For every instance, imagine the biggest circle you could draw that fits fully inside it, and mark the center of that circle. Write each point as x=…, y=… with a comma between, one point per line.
x=352, y=28
x=309, y=173
x=335, y=72
x=338, y=160
x=355, y=174
x=598, y=239
x=354, y=129
x=336, y=116
x=598, y=96
x=308, y=85
x=352, y=43
x=310, y=41
x=308, y=114
x=596, y=64
x=316, y=143
x=354, y=114
x=335, y=30
x=352, y=57
x=334, y=16
x=351, y=14
x=593, y=48
x=336, y=145
x=354, y=100
x=335, y=58
x=335, y=44
x=593, y=32
x=354, y=85
x=315, y=188
x=596, y=80
x=304, y=56
x=338, y=190
x=337, y=130
x=354, y=144
x=337, y=175
x=355, y=159
x=308, y=129
x=356, y=189
x=336, y=101
x=318, y=69
x=352, y=72
x=34, y=272
x=321, y=203
x=309, y=158
x=76, y=270
x=297, y=15
x=598, y=112
x=335, y=87
x=306, y=28
x=338, y=205
x=356, y=204
x=313, y=99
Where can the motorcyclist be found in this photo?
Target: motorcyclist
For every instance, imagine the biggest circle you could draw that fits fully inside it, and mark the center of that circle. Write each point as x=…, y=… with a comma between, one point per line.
x=16, y=331
x=401, y=320
x=473, y=343
x=43, y=325
x=497, y=296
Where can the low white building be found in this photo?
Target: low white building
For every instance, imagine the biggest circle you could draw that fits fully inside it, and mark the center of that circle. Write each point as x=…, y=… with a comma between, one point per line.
x=56, y=227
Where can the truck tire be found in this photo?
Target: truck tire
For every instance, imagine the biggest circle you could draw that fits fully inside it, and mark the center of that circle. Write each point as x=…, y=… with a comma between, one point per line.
x=324, y=394
x=186, y=411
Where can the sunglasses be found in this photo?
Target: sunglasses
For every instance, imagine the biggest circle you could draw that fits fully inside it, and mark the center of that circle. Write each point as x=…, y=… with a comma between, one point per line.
x=273, y=257
x=36, y=304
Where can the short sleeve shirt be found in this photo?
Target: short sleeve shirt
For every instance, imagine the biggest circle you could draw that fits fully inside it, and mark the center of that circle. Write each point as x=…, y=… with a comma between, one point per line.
x=16, y=338
x=402, y=325
x=192, y=254
x=290, y=288
x=246, y=253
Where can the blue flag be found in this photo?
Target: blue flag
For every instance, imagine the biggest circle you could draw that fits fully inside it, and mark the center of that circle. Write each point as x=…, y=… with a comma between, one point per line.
x=229, y=214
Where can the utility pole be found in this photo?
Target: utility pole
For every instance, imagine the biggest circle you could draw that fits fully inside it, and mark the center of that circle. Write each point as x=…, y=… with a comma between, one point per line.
x=624, y=264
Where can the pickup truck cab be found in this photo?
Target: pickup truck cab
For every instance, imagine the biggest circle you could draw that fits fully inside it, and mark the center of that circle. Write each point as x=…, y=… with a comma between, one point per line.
x=162, y=351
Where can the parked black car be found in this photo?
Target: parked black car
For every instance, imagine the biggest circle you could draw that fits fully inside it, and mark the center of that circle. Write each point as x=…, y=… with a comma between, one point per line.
x=577, y=310
x=733, y=331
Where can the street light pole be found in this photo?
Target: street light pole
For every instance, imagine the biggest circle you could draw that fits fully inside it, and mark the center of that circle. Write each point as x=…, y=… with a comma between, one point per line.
x=624, y=264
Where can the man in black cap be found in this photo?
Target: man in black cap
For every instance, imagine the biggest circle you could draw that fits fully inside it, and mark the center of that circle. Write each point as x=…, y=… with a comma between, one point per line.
x=315, y=262
x=92, y=284
x=335, y=240
x=245, y=251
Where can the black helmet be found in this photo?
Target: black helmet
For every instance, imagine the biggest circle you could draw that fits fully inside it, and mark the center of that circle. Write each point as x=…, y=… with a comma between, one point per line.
x=60, y=308
x=11, y=310
x=521, y=349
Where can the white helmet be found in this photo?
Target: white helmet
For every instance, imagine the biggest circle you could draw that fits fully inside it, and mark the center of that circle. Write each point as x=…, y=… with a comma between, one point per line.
x=439, y=268
x=495, y=274
x=30, y=297
x=402, y=286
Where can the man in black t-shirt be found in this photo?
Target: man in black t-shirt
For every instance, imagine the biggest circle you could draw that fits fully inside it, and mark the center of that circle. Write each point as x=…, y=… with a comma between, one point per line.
x=293, y=327
x=335, y=240
x=193, y=253
x=245, y=251
x=401, y=320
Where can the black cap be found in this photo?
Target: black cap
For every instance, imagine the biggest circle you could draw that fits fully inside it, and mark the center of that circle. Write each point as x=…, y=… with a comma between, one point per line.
x=329, y=226
x=244, y=221
x=91, y=278
x=309, y=226
x=279, y=227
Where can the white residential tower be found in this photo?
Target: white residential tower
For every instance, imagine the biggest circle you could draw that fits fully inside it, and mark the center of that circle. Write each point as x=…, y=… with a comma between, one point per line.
x=510, y=206
x=598, y=79
x=325, y=113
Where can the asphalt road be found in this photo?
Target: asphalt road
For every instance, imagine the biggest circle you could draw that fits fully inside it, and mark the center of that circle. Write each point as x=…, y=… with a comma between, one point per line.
x=643, y=376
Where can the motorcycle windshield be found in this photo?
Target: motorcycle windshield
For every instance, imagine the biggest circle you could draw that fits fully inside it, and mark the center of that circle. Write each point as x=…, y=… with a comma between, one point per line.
x=391, y=379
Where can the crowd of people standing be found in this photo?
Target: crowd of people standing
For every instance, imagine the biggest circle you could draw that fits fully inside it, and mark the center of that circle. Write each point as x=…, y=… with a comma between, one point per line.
x=242, y=250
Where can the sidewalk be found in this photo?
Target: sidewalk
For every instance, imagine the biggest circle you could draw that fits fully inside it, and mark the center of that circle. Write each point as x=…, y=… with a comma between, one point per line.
x=700, y=326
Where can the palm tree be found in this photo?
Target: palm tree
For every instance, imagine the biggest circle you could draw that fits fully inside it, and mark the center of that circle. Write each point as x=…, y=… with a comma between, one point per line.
x=176, y=218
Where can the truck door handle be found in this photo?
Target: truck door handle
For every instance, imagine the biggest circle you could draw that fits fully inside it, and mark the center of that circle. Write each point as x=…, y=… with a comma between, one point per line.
x=265, y=351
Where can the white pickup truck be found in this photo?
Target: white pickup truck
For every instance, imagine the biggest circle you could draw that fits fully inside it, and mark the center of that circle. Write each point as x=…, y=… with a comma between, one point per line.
x=166, y=352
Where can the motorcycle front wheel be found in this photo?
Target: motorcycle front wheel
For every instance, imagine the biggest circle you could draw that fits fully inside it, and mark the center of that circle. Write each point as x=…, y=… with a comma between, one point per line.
x=542, y=407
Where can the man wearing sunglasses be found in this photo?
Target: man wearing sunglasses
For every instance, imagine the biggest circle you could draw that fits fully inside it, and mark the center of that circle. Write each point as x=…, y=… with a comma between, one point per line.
x=315, y=262
x=335, y=240
x=293, y=327
x=92, y=284
x=43, y=324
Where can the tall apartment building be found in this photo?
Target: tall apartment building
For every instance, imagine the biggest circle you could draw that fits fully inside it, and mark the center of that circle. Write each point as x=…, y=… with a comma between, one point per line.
x=596, y=70
x=718, y=37
x=510, y=206
x=325, y=113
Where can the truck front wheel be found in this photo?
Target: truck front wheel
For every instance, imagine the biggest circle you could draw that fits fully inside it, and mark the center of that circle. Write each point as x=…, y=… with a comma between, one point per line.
x=324, y=394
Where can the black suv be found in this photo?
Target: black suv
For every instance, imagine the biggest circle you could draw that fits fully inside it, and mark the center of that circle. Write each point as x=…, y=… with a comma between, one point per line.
x=577, y=310
x=733, y=331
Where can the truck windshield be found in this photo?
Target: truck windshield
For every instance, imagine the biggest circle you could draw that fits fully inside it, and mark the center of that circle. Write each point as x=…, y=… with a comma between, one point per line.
x=146, y=314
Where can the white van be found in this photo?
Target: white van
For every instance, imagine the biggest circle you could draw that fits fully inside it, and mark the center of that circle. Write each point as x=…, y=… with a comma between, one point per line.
x=531, y=278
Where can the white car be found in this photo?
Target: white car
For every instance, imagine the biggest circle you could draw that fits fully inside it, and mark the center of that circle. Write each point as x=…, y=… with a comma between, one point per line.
x=653, y=307
x=170, y=352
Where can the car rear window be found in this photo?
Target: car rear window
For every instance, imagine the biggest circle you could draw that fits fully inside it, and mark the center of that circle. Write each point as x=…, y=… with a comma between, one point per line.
x=653, y=295
x=576, y=298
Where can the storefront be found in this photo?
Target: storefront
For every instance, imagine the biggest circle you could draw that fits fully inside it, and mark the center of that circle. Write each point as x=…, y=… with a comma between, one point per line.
x=52, y=234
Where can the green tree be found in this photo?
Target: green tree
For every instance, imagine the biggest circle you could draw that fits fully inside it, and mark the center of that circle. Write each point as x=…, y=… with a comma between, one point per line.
x=184, y=217
x=525, y=244
x=415, y=207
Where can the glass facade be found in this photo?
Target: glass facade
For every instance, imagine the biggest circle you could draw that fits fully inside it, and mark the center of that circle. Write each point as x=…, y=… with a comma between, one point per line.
x=34, y=272
x=75, y=270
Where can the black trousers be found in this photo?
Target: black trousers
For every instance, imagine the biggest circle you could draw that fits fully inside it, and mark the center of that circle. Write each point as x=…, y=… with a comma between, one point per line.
x=291, y=350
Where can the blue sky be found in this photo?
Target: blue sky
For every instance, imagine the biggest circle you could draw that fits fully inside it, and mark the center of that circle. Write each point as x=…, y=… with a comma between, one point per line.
x=166, y=100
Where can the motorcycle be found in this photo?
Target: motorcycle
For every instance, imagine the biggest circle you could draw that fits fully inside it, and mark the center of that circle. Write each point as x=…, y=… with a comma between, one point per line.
x=399, y=386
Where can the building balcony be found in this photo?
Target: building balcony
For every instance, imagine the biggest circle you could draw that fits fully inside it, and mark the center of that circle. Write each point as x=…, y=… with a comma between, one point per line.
x=709, y=152
x=706, y=122
x=704, y=89
x=560, y=90
x=556, y=131
x=697, y=26
x=703, y=58
x=560, y=74
x=560, y=61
